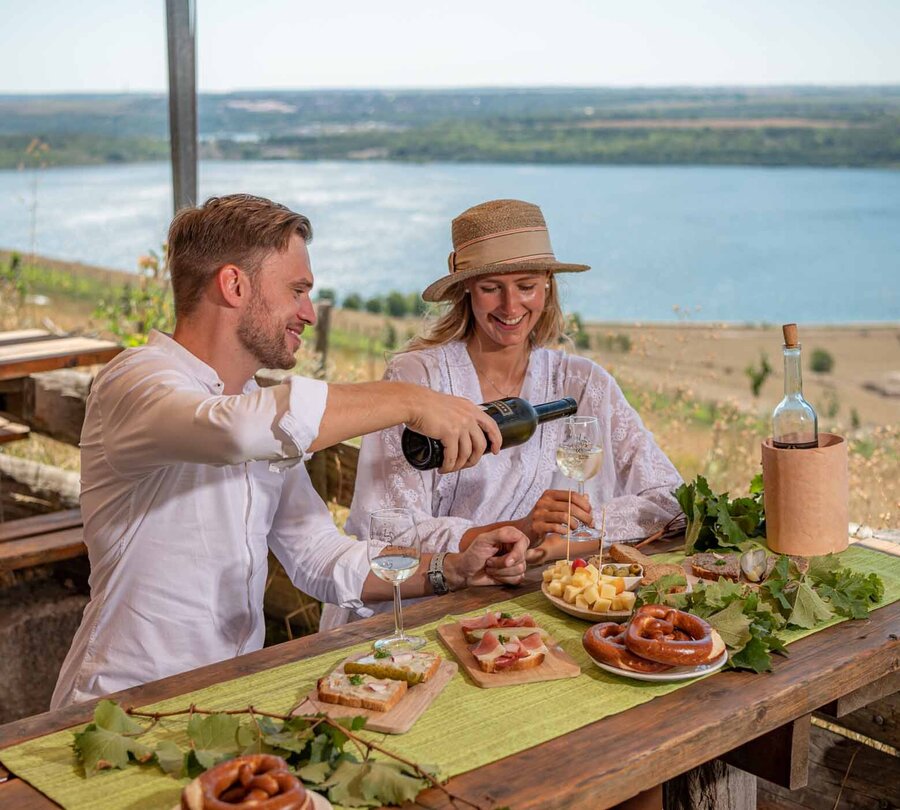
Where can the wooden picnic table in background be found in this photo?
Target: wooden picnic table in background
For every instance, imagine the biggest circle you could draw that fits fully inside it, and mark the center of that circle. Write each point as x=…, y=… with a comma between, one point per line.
x=759, y=724
x=27, y=351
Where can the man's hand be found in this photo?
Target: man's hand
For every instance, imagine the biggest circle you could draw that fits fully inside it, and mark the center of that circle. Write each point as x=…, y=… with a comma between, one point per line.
x=551, y=514
x=495, y=557
x=458, y=424
x=553, y=547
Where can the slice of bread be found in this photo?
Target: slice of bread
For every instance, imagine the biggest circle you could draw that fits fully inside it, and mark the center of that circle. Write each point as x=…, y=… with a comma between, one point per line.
x=361, y=691
x=413, y=667
x=711, y=566
x=621, y=553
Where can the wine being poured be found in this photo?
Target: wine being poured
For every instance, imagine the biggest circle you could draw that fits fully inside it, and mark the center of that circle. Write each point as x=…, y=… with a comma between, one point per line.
x=580, y=457
x=517, y=419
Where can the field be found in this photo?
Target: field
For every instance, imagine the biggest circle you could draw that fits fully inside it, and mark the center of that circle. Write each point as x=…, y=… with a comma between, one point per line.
x=688, y=381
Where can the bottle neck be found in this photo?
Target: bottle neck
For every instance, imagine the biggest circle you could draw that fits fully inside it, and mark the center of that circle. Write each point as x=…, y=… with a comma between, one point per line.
x=793, y=383
x=556, y=409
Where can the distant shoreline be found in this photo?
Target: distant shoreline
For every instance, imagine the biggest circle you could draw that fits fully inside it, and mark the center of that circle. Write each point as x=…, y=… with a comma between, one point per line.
x=105, y=274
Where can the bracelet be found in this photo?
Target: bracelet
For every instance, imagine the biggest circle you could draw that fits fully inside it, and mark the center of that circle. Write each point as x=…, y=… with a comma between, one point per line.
x=436, y=574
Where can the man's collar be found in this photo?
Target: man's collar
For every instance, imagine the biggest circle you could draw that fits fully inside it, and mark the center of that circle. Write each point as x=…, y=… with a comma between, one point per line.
x=203, y=372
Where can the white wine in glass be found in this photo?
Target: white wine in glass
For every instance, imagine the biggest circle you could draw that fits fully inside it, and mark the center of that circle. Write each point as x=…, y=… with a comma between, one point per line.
x=394, y=554
x=580, y=457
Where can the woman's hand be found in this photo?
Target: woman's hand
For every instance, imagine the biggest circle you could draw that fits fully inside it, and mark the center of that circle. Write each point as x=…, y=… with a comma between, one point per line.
x=492, y=558
x=550, y=514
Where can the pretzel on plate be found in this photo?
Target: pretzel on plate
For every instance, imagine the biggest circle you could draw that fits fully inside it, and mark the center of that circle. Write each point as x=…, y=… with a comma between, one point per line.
x=668, y=636
x=606, y=642
x=259, y=781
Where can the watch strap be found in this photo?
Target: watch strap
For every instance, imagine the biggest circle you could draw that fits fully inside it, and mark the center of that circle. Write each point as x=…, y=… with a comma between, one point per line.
x=436, y=574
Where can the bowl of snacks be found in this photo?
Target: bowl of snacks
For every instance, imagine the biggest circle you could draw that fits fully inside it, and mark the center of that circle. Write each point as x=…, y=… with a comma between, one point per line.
x=580, y=589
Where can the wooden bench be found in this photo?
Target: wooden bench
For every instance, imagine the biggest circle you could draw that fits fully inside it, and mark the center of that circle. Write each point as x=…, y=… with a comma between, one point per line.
x=41, y=539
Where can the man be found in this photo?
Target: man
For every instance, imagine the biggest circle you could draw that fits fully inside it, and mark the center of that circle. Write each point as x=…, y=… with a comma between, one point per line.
x=191, y=472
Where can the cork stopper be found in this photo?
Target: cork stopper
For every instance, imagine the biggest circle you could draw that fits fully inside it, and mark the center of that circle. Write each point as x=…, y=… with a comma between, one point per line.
x=791, y=338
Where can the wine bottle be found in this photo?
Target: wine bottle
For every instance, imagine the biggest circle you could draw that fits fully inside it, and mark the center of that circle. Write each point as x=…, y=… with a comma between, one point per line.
x=794, y=422
x=516, y=418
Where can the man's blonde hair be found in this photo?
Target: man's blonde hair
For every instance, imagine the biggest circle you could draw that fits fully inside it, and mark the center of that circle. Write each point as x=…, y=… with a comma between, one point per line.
x=458, y=322
x=238, y=229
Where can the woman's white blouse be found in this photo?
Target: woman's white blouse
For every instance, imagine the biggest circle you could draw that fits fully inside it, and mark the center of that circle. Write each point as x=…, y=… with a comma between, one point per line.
x=634, y=485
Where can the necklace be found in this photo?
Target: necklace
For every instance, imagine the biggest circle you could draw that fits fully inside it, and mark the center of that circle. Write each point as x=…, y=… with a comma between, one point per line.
x=520, y=378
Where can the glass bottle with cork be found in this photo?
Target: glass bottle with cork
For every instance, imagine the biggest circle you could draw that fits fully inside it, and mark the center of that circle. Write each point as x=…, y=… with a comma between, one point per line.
x=795, y=425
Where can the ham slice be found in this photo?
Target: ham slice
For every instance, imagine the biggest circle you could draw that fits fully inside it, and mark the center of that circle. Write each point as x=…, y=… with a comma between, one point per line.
x=490, y=619
x=533, y=643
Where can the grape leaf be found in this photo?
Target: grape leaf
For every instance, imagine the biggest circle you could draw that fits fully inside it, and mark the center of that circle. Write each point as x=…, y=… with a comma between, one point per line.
x=755, y=656
x=110, y=716
x=808, y=609
x=100, y=749
x=657, y=593
x=729, y=533
x=214, y=732
x=371, y=784
x=315, y=774
x=170, y=758
x=732, y=625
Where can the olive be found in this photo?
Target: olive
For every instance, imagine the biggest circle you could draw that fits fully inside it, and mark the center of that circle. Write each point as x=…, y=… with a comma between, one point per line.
x=634, y=569
x=608, y=571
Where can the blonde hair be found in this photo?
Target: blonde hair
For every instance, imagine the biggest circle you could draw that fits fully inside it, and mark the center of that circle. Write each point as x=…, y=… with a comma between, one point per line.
x=458, y=322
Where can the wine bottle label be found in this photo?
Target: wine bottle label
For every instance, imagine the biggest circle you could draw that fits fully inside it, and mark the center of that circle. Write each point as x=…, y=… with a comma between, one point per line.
x=502, y=408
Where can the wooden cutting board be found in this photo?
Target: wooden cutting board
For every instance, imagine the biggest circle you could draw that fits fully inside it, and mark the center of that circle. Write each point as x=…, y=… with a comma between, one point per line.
x=557, y=663
x=397, y=720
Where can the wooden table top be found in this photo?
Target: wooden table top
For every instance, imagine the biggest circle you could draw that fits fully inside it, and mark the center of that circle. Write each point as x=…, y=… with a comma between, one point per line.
x=27, y=351
x=595, y=766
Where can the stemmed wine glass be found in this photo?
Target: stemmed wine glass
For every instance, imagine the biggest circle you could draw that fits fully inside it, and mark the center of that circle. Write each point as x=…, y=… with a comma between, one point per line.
x=580, y=456
x=394, y=552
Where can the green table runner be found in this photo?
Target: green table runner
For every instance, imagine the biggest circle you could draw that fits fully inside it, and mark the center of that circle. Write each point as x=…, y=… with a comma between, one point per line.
x=466, y=727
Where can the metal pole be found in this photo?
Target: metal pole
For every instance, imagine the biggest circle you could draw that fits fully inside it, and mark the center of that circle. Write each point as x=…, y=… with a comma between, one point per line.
x=181, y=18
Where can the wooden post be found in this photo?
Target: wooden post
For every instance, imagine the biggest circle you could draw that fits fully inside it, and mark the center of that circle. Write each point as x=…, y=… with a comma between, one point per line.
x=323, y=327
x=713, y=786
x=181, y=17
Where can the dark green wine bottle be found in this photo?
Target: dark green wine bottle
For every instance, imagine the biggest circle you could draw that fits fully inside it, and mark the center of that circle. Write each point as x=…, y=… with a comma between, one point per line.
x=516, y=418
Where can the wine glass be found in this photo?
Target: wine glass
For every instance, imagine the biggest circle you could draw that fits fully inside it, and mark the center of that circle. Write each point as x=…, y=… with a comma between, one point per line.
x=580, y=456
x=394, y=552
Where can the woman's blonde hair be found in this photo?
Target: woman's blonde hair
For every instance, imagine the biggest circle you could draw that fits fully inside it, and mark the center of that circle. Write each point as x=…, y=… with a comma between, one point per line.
x=458, y=322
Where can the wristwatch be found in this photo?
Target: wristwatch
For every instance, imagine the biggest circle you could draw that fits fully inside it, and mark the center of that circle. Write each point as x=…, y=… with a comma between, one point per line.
x=436, y=574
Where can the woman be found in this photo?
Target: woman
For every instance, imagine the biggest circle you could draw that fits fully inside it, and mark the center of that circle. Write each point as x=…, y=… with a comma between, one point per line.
x=498, y=339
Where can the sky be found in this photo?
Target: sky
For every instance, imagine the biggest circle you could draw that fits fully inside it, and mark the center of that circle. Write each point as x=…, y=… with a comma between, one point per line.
x=120, y=45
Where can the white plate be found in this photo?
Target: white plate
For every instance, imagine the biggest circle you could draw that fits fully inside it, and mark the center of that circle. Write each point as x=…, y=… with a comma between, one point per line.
x=587, y=615
x=676, y=674
x=319, y=801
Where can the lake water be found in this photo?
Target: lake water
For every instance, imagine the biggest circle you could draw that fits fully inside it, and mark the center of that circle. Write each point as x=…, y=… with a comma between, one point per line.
x=720, y=243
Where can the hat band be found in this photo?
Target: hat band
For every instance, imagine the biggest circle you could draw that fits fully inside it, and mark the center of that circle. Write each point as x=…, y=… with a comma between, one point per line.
x=505, y=247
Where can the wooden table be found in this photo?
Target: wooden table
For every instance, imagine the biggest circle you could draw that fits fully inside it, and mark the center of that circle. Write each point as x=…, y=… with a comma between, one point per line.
x=609, y=760
x=26, y=351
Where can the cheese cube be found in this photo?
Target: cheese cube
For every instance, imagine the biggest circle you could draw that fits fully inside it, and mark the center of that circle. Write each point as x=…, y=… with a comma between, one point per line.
x=619, y=584
x=591, y=569
x=555, y=588
x=570, y=593
x=591, y=594
x=581, y=603
x=607, y=591
x=624, y=601
x=601, y=605
x=547, y=574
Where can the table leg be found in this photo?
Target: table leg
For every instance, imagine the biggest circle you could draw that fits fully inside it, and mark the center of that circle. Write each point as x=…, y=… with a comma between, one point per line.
x=713, y=786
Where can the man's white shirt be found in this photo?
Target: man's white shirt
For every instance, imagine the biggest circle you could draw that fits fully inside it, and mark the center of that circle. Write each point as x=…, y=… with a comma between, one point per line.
x=184, y=490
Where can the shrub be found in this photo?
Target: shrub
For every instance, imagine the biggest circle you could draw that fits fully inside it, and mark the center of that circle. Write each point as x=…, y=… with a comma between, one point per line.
x=758, y=375
x=326, y=294
x=396, y=304
x=375, y=305
x=353, y=301
x=821, y=361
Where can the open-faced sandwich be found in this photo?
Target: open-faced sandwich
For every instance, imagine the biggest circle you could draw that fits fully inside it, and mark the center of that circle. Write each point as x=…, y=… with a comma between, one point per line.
x=415, y=666
x=378, y=680
x=495, y=621
x=361, y=691
x=498, y=652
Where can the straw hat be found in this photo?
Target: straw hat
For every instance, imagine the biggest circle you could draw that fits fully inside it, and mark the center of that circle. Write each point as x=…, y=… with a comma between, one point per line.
x=500, y=236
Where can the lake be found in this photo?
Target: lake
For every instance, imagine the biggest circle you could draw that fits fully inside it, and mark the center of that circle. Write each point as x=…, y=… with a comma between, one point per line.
x=741, y=244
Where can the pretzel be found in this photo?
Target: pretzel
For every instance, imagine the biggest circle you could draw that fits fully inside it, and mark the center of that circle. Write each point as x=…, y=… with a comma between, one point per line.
x=260, y=782
x=606, y=642
x=669, y=636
